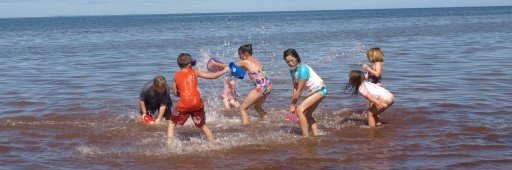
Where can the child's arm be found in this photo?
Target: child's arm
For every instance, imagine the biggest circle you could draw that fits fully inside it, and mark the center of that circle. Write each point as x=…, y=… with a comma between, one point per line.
x=377, y=69
x=243, y=64
x=297, y=92
x=142, y=107
x=372, y=99
x=175, y=88
x=215, y=64
x=211, y=75
x=142, y=104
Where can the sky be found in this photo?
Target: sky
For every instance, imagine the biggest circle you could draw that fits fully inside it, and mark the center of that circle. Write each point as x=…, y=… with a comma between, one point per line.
x=46, y=8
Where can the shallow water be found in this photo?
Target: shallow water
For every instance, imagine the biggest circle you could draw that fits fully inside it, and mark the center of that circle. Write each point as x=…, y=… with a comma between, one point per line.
x=70, y=87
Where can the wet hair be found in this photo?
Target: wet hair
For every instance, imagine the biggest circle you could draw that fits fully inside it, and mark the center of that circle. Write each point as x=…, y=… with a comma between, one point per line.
x=355, y=79
x=293, y=53
x=375, y=55
x=159, y=82
x=184, y=59
x=246, y=48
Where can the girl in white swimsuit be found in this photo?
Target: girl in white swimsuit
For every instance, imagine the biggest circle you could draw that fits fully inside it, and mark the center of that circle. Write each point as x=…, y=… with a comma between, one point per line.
x=380, y=99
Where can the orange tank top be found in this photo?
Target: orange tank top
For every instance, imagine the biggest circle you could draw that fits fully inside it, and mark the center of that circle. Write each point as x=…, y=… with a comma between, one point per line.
x=190, y=98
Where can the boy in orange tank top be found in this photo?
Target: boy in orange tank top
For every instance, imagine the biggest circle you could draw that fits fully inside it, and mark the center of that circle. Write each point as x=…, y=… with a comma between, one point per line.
x=190, y=102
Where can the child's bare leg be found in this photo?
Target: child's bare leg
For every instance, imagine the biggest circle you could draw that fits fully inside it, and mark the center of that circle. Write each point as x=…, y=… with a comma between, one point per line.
x=311, y=120
x=302, y=121
x=311, y=123
x=170, y=132
x=248, y=102
x=208, y=133
x=374, y=111
x=304, y=108
x=226, y=103
x=377, y=120
x=258, y=106
x=235, y=103
x=314, y=129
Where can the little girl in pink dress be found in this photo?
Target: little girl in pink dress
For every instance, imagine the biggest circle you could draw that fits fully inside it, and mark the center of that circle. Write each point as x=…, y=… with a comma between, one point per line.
x=228, y=97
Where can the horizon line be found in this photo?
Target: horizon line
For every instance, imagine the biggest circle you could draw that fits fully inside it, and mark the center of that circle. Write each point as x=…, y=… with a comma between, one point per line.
x=234, y=12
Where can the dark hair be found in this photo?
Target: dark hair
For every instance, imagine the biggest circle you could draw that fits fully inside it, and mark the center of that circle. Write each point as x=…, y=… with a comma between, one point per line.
x=355, y=79
x=246, y=48
x=183, y=59
x=293, y=53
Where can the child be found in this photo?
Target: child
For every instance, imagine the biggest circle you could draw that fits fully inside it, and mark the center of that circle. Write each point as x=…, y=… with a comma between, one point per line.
x=302, y=76
x=190, y=102
x=380, y=98
x=374, y=73
x=228, y=97
x=155, y=95
x=229, y=93
x=262, y=87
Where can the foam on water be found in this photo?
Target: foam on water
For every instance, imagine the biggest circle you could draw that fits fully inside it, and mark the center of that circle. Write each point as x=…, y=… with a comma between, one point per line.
x=188, y=139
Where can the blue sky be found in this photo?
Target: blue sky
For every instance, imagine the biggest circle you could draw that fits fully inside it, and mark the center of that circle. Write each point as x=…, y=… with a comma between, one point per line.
x=43, y=8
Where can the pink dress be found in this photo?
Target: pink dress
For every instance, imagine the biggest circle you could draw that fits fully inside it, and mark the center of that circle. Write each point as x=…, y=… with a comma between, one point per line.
x=229, y=88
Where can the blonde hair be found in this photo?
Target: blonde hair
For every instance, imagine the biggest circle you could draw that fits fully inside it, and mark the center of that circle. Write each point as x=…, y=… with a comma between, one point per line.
x=375, y=55
x=159, y=82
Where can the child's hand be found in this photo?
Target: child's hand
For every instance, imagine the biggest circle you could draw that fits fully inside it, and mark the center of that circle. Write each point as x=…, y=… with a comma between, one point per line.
x=293, y=107
x=225, y=70
x=382, y=105
x=365, y=66
x=157, y=120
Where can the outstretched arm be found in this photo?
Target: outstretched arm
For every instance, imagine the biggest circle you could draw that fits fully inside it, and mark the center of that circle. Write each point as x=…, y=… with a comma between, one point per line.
x=215, y=64
x=211, y=75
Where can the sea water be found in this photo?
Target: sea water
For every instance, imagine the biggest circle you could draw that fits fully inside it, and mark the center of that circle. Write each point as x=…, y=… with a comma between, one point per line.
x=70, y=89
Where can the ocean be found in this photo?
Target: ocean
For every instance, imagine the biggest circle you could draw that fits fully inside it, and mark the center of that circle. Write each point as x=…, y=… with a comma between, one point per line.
x=70, y=88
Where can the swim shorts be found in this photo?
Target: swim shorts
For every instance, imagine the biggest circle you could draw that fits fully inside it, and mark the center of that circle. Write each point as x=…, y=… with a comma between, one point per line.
x=198, y=116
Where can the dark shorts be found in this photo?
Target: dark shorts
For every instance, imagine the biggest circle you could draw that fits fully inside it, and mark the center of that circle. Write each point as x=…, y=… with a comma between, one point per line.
x=180, y=118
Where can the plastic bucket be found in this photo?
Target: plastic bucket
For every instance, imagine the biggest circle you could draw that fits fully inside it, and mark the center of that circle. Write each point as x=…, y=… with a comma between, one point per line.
x=236, y=71
x=292, y=116
x=148, y=119
x=213, y=69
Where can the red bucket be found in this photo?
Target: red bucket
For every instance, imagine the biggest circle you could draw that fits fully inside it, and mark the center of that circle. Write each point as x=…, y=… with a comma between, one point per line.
x=148, y=119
